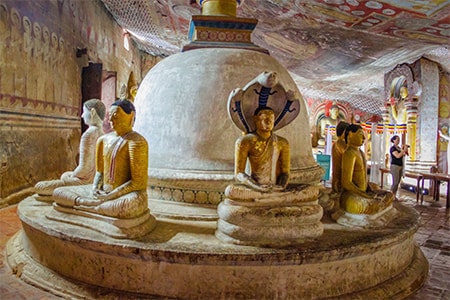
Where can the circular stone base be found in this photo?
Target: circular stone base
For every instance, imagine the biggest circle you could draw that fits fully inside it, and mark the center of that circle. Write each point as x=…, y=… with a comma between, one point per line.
x=183, y=259
x=268, y=224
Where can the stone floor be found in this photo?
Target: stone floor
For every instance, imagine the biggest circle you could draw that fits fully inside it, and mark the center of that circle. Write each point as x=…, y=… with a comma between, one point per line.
x=433, y=237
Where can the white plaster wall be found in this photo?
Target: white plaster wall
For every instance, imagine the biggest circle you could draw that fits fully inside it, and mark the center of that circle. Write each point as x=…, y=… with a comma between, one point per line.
x=428, y=107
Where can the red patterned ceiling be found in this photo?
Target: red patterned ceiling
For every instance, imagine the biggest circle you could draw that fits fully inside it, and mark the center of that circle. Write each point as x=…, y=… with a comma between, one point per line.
x=334, y=49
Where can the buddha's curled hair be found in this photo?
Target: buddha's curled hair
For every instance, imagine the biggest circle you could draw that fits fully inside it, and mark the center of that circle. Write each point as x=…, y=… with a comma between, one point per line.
x=127, y=106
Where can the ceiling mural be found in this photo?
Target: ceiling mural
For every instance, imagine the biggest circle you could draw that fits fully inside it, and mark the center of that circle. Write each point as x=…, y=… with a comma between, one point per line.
x=334, y=49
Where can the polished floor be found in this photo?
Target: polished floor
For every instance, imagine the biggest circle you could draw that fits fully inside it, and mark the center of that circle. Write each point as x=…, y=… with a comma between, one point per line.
x=433, y=237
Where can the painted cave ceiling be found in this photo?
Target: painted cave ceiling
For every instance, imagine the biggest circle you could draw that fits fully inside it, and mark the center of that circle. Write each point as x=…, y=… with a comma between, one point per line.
x=334, y=49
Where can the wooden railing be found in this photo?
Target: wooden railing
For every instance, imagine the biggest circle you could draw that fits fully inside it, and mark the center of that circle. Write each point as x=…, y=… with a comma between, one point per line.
x=435, y=182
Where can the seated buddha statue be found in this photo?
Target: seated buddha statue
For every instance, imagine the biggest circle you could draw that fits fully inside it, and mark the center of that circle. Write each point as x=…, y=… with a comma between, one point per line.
x=261, y=208
x=267, y=153
x=262, y=165
x=93, y=115
x=120, y=183
x=337, y=150
x=325, y=123
x=359, y=197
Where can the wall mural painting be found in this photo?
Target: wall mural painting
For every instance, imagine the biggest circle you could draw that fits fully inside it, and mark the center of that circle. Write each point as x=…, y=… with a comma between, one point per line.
x=31, y=86
x=49, y=73
x=324, y=116
x=443, y=124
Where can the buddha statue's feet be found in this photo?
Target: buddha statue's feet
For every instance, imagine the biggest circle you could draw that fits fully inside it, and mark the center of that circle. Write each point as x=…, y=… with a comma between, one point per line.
x=270, y=219
x=293, y=194
x=379, y=219
x=44, y=189
x=44, y=198
x=131, y=228
x=127, y=216
x=358, y=211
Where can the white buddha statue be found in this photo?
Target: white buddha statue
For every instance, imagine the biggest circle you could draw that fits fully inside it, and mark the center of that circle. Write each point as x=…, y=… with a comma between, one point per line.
x=93, y=115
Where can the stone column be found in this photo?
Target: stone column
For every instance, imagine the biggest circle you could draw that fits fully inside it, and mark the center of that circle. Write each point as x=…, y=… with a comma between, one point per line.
x=429, y=110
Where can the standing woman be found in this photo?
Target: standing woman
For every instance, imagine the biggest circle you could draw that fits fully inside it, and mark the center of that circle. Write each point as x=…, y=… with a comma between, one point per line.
x=397, y=155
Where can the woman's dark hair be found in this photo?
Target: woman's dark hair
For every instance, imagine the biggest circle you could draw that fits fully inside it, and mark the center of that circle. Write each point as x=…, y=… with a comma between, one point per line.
x=351, y=128
x=394, y=138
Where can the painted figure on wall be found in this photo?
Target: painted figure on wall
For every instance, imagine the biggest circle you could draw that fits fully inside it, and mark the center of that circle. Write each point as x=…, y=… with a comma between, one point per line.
x=327, y=122
x=398, y=96
x=444, y=154
x=93, y=114
x=5, y=38
x=18, y=84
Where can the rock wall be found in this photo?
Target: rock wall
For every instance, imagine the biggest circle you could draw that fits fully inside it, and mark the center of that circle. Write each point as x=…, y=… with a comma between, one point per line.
x=40, y=83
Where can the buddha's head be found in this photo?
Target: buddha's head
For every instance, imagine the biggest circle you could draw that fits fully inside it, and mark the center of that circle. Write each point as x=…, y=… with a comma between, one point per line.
x=93, y=111
x=354, y=135
x=403, y=92
x=121, y=116
x=341, y=127
x=264, y=119
x=334, y=112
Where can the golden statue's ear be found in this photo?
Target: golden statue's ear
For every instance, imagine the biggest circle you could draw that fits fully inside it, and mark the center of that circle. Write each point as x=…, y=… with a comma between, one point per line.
x=133, y=117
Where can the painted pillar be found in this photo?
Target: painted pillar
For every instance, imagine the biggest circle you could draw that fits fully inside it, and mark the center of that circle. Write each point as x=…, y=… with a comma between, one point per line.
x=385, y=114
x=411, y=137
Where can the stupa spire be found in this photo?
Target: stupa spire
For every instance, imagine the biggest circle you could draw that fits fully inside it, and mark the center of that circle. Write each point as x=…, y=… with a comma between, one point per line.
x=219, y=27
x=219, y=7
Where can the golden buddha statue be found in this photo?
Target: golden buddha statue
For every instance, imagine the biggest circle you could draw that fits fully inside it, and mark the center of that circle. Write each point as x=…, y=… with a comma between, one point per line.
x=261, y=209
x=267, y=153
x=337, y=150
x=268, y=156
x=359, y=197
x=120, y=183
x=93, y=115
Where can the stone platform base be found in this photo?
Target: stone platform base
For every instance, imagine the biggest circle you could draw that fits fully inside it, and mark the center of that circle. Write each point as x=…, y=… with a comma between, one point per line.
x=184, y=260
x=267, y=225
